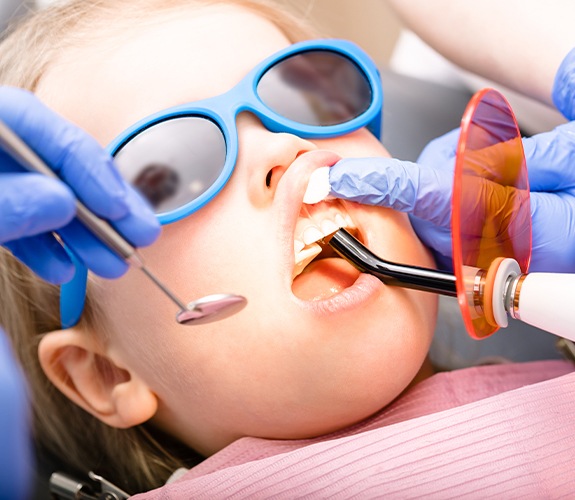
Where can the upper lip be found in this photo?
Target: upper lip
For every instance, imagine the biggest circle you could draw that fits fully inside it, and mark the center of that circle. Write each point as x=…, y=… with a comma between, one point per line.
x=291, y=187
x=289, y=197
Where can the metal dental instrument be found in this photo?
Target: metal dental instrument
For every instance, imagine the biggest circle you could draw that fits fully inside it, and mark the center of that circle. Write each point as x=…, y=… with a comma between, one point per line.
x=204, y=310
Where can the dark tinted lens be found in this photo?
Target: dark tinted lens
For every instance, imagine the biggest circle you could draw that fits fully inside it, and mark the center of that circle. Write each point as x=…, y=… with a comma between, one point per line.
x=316, y=88
x=173, y=162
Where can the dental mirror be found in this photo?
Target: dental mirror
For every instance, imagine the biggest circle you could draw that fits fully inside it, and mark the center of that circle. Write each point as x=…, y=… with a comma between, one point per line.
x=201, y=311
x=211, y=308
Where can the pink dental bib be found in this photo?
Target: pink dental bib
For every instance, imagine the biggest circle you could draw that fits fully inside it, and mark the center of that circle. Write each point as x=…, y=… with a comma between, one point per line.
x=497, y=430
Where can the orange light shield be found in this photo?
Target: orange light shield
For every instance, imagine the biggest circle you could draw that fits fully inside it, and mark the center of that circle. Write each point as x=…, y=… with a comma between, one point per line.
x=491, y=215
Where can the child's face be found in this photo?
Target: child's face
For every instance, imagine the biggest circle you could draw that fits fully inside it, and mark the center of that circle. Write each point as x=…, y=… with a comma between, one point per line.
x=296, y=362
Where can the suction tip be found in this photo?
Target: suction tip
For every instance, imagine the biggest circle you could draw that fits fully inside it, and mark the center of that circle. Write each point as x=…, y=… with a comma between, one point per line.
x=211, y=308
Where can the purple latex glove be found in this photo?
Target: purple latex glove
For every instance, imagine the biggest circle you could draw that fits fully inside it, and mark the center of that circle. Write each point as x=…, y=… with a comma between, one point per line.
x=32, y=205
x=423, y=190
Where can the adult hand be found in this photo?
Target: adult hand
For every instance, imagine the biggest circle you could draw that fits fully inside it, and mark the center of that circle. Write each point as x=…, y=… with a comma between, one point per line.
x=424, y=190
x=563, y=93
x=421, y=189
x=33, y=206
x=551, y=165
x=15, y=432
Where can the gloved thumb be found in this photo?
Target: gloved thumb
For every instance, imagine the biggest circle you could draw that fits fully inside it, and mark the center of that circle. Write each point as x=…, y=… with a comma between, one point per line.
x=422, y=191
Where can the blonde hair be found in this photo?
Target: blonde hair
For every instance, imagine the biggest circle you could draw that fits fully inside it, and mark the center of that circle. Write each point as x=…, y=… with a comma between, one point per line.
x=29, y=307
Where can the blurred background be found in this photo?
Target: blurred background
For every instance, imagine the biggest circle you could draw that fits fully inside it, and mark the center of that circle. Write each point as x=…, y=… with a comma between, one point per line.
x=374, y=26
x=370, y=23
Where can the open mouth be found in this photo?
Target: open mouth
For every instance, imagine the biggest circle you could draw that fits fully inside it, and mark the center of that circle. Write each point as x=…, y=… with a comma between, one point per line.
x=319, y=272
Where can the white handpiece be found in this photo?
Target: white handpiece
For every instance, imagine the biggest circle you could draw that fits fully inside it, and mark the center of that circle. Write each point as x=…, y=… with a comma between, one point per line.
x=547, y=301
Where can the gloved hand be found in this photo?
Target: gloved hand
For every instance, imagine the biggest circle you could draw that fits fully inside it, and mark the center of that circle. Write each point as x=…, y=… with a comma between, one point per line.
x=551, y=166
x=33, y=205
x=563, y=92
x=423, y=189
x=16, y=463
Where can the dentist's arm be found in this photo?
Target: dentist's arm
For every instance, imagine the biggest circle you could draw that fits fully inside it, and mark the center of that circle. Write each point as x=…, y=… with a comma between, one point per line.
x=32, y=206
x=518, y=43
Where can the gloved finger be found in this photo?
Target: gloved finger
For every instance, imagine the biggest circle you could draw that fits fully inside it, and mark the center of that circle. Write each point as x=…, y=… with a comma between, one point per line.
x=443, y=262
x=485, y=207
x=553, y=240
x=402, y=185
x=563, y=93
x=137, y=227
x=440, y=152
x=32, y=204
x=438, y=240
x=550, y=158
x=376, y=181
x=76, y=157
x=91, y=251
x=7, y=163
x=45, y=256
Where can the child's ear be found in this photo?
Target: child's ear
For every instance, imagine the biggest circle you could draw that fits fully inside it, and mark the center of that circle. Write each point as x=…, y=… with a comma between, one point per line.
x=74, y=363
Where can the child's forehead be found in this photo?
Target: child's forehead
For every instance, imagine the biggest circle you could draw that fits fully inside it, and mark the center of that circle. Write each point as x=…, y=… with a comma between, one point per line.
x=210, y=43
x=114, y=82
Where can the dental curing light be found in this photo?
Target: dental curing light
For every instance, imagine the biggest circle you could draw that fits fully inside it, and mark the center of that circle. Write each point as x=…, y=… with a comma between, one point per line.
x=491, y=234
x=204, y=310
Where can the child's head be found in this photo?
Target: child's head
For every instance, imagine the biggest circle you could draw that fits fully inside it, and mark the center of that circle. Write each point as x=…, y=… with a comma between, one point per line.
x=305, y=357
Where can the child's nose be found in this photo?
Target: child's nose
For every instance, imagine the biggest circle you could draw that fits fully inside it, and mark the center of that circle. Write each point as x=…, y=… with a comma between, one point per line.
x=266, y=156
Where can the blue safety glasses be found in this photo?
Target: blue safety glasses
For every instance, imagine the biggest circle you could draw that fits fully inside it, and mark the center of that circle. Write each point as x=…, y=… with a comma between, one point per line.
x=181, y=157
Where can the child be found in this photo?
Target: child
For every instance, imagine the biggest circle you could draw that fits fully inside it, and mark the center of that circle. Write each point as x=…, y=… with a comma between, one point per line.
x=307, y=356
x=129, y=393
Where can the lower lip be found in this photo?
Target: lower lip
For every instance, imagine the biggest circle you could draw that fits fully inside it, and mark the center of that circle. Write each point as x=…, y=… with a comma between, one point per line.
x=365, y=290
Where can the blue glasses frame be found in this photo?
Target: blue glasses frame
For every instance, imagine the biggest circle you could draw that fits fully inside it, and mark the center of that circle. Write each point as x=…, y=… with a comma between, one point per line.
x=223, y=111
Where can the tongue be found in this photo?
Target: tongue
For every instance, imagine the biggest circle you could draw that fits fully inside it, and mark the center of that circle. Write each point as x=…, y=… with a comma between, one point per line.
x=324, y=278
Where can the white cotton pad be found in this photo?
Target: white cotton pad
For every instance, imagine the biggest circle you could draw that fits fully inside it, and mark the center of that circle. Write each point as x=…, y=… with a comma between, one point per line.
x=318, y=187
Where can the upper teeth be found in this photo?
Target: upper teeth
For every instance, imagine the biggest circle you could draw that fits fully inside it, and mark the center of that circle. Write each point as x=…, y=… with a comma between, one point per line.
x=314, y=223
